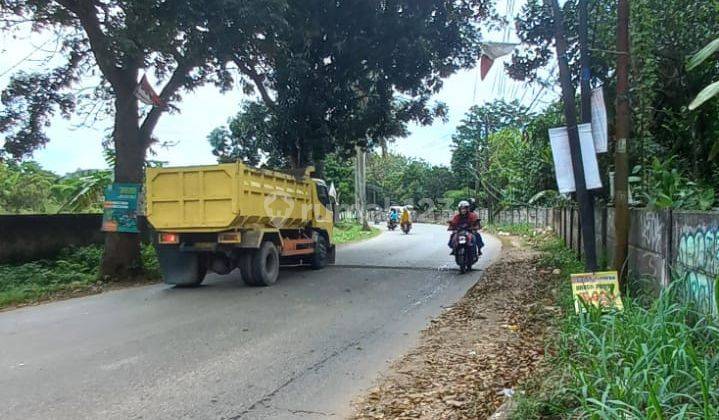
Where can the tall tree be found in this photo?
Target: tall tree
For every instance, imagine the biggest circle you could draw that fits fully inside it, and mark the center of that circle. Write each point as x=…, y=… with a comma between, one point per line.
x=470, y=145
x=185, y=43
x=355, y=72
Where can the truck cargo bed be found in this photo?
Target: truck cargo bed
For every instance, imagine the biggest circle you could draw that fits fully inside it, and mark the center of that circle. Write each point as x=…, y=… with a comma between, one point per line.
x=225, y=196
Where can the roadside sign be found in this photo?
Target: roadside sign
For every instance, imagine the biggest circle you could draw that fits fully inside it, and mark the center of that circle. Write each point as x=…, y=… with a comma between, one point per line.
x=120, y=208
x=559, y=139
x=597, y=289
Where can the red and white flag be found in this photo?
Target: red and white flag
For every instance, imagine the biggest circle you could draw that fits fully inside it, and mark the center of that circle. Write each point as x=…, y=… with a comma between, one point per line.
x=490, y=52
x=146, y=94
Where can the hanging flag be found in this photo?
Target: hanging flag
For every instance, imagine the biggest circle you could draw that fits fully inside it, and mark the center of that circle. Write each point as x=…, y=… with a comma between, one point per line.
x=492, y=51
x=146, y=94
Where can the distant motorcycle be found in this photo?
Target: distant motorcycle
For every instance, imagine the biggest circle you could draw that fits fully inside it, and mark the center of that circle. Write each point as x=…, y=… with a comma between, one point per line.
x=391, y=224
x=465, y=251
x=406, y=227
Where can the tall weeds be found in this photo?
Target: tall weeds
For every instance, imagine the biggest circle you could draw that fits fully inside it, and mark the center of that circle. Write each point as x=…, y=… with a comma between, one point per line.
x=647, y=362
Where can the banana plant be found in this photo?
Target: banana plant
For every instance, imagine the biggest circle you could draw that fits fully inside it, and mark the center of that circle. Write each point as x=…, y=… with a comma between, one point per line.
x=697, y=59
x=709, y=91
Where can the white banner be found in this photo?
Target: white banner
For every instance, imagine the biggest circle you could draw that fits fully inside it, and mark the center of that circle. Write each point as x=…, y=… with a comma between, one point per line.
x=562, y=156
x=600, y=128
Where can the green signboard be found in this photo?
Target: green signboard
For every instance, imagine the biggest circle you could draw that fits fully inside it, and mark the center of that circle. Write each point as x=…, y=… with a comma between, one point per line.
x=120, y=214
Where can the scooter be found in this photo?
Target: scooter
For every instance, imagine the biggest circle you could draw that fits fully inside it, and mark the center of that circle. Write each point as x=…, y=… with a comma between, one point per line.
x=465, y=251
x=391, y=224
x=406, y=227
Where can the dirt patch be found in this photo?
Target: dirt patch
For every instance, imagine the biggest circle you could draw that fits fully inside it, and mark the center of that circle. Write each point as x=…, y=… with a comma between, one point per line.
x=472, y=355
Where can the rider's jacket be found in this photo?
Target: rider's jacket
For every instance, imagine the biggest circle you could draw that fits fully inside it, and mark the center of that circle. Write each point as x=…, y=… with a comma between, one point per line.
x=466, y=221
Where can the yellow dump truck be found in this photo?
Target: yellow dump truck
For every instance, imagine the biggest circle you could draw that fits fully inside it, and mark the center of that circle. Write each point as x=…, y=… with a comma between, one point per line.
x=227, y=216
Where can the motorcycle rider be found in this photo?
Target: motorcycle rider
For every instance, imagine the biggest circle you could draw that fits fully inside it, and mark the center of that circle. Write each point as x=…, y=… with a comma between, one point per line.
x=466, y=219
x=393, y=216
x=406, y=218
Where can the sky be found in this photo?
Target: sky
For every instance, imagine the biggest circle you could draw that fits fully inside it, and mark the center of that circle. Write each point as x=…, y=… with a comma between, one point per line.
x=73, y=146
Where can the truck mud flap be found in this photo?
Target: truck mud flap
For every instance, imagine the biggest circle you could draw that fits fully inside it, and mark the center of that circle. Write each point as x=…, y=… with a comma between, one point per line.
x=180, y=268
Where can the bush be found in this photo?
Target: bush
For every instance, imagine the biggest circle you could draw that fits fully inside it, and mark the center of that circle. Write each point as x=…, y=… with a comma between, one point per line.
x=74, y=269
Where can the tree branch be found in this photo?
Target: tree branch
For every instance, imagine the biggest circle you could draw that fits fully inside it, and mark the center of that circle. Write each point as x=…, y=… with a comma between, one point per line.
x=258, y=81
x=171, y=87
x=87, y=14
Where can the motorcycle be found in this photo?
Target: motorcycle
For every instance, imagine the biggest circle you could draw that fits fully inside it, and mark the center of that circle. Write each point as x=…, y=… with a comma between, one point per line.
x=406, y=227
x=391, y=224
x=465, y=251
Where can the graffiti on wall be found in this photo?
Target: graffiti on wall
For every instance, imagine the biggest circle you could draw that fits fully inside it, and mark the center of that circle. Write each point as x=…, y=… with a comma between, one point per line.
x=698, y=265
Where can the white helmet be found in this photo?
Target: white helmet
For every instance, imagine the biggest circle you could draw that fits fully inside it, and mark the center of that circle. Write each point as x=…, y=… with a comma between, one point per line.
x=463, y=203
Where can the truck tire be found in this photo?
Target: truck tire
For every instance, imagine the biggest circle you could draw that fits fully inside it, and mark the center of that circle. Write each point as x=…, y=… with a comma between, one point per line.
x=245, y=266
x=182, y=269
x=320, y=258
x=265, y=265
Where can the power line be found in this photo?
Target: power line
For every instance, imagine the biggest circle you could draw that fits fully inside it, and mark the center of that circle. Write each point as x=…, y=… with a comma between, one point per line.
x=11, y=68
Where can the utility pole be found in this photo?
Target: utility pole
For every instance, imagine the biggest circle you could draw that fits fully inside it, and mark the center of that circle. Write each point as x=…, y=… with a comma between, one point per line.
x=586, y=207
x=621, y=155
x=584, y=62
x=360, y=181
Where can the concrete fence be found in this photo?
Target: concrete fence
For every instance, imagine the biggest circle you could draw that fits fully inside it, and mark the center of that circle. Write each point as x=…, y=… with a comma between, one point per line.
x=664, y=245
x=31, y=237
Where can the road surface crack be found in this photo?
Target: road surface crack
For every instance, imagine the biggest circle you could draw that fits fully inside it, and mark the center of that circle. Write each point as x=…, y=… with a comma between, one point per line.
x=264, y=401
x=296, y=412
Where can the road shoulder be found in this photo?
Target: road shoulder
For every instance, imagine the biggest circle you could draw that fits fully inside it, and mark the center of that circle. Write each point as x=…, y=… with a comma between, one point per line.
x=472, y=355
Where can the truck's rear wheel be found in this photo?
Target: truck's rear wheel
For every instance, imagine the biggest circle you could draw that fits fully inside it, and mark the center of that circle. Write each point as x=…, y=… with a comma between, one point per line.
x=245, y=266
x=265, y=265
x=320, y=258
x=183, y=269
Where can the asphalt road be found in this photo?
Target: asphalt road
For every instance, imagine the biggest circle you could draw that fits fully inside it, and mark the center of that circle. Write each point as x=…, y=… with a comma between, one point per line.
x=303, y=348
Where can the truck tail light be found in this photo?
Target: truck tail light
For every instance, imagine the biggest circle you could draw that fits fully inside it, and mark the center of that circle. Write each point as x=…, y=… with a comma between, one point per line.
x=168, y=238
x=229, y=238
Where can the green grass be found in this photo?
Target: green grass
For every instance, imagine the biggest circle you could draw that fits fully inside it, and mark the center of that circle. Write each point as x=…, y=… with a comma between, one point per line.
x=656, y=361
x=74, y=270
x=345, y=232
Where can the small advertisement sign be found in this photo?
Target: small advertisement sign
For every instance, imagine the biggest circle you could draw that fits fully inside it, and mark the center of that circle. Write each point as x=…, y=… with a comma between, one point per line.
x=120, y=208
x=596, y=289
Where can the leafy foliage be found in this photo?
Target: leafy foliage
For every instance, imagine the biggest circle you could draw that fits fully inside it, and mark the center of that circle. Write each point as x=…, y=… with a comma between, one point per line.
x=667, y=187
x=347, y=73
x=470, y=143
x=248, y=138
x=27, y=188
x=74, y=270
x=501, y=152
x=662, y=84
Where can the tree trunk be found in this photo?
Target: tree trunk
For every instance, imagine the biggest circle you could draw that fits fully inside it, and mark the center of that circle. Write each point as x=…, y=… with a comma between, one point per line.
x=121, y=259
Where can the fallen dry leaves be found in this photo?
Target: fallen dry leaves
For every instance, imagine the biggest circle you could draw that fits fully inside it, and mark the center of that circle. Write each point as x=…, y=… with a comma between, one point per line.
x=473, y=354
